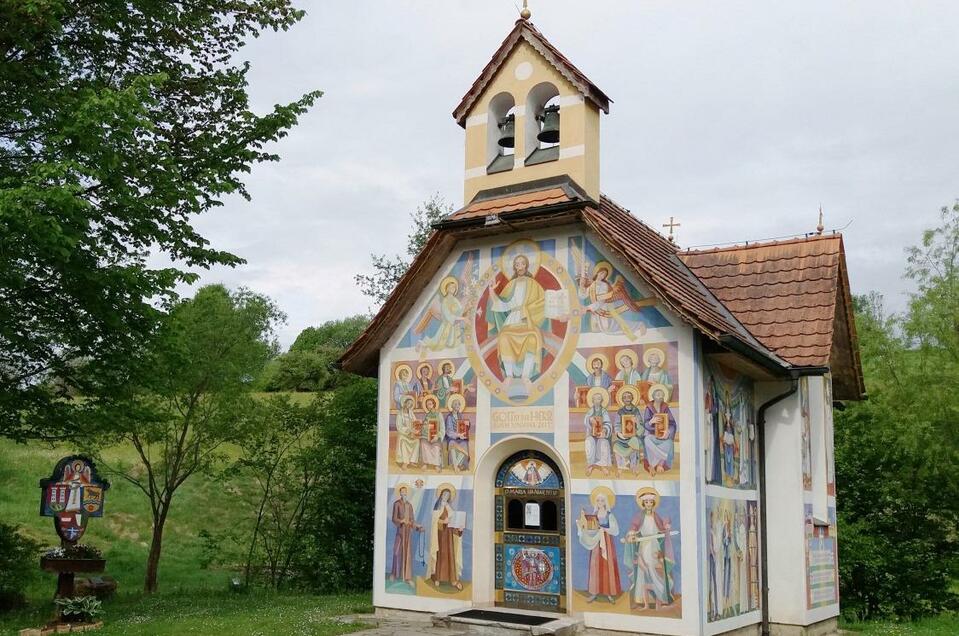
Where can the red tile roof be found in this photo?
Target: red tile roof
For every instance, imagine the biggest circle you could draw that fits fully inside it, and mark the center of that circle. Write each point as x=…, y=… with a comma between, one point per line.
x=522, y=201
x=525, y=31
x=793, y=296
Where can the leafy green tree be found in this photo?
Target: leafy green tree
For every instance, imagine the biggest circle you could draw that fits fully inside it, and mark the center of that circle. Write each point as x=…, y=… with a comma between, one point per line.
x=897, y=456
x=120, y=122
x=189, y=395
x=18, y=566
x=338, y=525
x=388, y=270
x=309, y=365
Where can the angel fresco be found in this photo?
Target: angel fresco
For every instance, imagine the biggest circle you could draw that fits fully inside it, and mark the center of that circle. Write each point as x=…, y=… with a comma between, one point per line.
x=447, y=311
x=606, y=296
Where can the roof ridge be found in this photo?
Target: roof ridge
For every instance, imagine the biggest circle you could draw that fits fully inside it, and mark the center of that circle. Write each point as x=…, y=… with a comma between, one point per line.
x=764, y=243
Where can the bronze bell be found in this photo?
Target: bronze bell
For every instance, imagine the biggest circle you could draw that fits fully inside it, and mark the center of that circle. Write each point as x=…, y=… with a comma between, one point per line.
x=550, y=120
x=507, y=128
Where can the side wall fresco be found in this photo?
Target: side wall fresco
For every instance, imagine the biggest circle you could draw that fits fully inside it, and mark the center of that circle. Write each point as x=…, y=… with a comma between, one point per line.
x=732, y=532
x=545, y=337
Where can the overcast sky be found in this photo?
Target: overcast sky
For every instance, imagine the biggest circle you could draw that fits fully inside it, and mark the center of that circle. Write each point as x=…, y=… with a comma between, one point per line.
x=738, y=118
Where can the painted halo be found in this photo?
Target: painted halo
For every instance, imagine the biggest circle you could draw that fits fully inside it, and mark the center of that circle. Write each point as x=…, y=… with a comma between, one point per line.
x=656, y=350
x=400, y=367
x=523, y=247
x=603, y=490
x=597, y=356
x=456, y=398
x=659, y=387
x=647, y=493
x=407, y=399
x=427, y=366
x=446, y=283
x=444, y=363
x=627, y=353
x=623, y=391
x=446, y=486
x=603, y=266
x=398, y=487
x=600, y=391
x=429, y=397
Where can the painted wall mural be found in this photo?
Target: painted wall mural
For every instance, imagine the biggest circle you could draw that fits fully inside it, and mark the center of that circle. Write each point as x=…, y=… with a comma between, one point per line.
x=624, y=410
x=513, y=319
x=829, y=437
x=732, y=558
x=822, y=560
x=805, y=433
x=429, y=538
x=611, y=304
x=432, y=416
x=730, y=435
x=626, y=552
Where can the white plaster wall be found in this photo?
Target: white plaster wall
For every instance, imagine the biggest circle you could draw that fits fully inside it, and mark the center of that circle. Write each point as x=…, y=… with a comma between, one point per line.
x=784, y=506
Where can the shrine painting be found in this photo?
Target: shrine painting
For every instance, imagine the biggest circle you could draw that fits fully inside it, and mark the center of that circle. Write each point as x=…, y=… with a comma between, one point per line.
x=611, y=304
x=429, y=539
x=523, y=331
x=732, y=558
x=439, y=328
x=432, y=417
x=626, y=555
x=624, y=412
x=730, y=428
x=822, y=559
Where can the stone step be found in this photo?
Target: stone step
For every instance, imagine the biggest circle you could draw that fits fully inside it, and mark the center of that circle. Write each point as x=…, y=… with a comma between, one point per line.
x=501, y=625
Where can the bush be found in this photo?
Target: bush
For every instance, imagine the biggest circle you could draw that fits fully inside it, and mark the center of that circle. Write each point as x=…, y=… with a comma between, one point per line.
x=80, y=609
x=18, y=566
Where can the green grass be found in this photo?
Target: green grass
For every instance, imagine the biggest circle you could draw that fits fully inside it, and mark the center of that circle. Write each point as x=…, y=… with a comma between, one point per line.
x=192, y=598
x=944, y=625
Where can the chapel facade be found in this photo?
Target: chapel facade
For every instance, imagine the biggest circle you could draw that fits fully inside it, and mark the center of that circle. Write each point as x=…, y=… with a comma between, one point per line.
x=577, y=417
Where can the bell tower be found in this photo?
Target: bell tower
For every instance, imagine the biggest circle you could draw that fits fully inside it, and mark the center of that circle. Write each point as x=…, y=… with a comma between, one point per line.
x=530, y=115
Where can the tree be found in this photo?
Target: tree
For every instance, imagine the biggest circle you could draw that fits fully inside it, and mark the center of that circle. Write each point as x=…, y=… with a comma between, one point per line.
x=309, y=364
x=388, y=270
x=189, y=396
x=119, y=123
x=897, y=456
x=338, y=527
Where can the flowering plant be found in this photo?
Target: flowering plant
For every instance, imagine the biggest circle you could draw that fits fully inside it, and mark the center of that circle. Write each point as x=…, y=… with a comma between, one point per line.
x=78, y=551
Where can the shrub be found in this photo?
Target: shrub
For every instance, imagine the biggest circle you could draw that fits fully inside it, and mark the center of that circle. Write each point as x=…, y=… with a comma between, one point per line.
x=80, y=609
x=18, y=566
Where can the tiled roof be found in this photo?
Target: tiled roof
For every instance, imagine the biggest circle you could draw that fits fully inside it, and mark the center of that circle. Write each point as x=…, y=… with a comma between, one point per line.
x=510, y=203
x=656, y=260
x=524, y=30
x=793, y=296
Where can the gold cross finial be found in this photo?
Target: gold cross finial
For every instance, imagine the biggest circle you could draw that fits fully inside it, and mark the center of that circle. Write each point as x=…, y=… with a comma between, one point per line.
x=820, y=227
x=526, y=14
x=672, y=225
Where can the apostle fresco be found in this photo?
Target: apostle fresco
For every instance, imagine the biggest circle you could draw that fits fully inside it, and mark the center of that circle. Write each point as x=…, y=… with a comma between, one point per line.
x=648, y=555
x=660, y=432
x=457, y=435
x=596, y=530
x=424, y=379
x=627, y=439
x=407, y=450
x=403, y=519
x=597, y=372
x=655, y=371
x=404, y=384
x=444, y=383
x=432, y=434
x=628, y=373
x=599, y=430
x=445, y=565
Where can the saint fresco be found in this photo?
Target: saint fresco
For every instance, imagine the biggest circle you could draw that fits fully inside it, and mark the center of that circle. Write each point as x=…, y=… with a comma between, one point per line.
x=432, y=417
x=626, y=552
x=730, y=435
x=439, y=328
x=732, y=558
x=428, y=538
x=624, y=409
x=822, y=561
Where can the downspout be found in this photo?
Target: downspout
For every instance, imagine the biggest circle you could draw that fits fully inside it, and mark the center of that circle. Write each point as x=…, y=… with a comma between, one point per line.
x=763, y=544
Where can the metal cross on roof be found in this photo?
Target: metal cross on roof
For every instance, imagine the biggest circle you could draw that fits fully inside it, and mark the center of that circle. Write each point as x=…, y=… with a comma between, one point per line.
x=672, y=225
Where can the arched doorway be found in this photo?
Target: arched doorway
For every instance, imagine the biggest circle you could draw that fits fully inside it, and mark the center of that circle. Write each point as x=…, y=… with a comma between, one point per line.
x=529, y=512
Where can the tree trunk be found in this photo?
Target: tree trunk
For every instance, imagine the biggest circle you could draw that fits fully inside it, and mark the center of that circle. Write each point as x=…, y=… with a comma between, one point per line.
x=153, y=561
